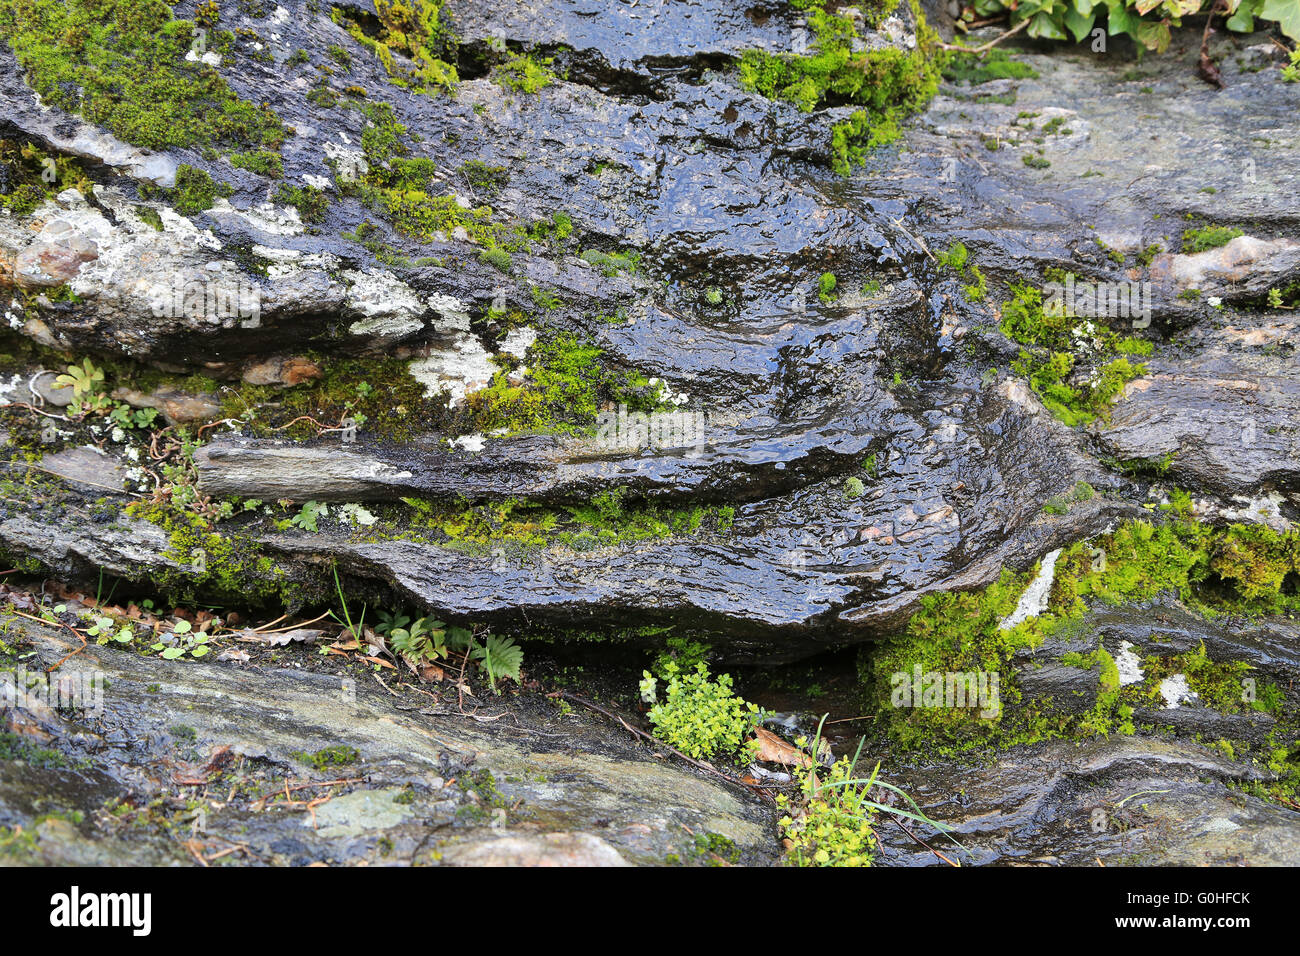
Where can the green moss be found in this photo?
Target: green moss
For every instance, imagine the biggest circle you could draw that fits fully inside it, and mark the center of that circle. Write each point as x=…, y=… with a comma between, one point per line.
x=1240, y=569
x=975, y=69
x=262, y=161
x=1220, y=685
x=1147, y=255
x=826, y=283
x=524, y=73
x=230, y=566
x=419, y=32
x=1055, y=338
x=195, y=191
x=121, y=64
x=567, y=383
x=611, y=264
x=312, y=203
x=150, y=216
x=339, y=755
x=32, y=176
x=714, y=849
x=481, y=176
x=517, y=530
x=1208, y=237
x=954, y=257
x=498, y=259
x=14, y=747
x=402, y=189
x=888, y=83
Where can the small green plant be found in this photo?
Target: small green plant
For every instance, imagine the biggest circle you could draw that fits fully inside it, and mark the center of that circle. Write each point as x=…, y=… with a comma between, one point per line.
x=954, y=257
x=833, y=826
x=352, y=628
x=1291, y=72
x=308, y=515
x=826, y=283
x=681, y=651
x=853, y=487
x=500, y=658
x=84, y=379
x=105, y=629
x=182, y=640
x=421, y=639
x=701, y=717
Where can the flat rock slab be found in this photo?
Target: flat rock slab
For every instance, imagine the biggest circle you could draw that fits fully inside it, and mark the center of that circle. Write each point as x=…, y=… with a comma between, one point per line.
x=1125, y=801
x=561, y=791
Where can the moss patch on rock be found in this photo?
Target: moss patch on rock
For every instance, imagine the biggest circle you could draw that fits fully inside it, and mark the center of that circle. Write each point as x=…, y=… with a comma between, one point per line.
x=122, y=64
x=1240, y=569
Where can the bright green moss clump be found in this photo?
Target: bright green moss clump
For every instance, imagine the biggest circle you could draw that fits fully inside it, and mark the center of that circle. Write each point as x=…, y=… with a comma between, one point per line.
x=195, y=191
x=1241, y=569
x=121, y=64
x=1208, y=237
x=418, y=31
x=1057, y=340
x=567, y=383
x=26, y=168
x=889, y=84
x=525, y=74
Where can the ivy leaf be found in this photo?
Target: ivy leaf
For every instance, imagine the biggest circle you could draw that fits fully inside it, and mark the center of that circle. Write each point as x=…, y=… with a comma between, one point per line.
x=1153, y=36
x=1243, y=18
x=1118, y=20
x=1080, y=21
x=1043, y=25
x=1286, y=13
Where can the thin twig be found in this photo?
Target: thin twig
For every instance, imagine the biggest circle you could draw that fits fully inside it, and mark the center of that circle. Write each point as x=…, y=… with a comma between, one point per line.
x=991, y=44
x=906, y=829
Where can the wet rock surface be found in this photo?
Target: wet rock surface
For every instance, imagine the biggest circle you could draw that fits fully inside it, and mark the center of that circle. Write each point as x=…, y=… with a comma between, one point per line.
x=194, y=760
x=877, y=445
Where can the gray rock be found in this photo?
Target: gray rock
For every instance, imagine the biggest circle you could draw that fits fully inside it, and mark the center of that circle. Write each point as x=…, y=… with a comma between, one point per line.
x=547, y=849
